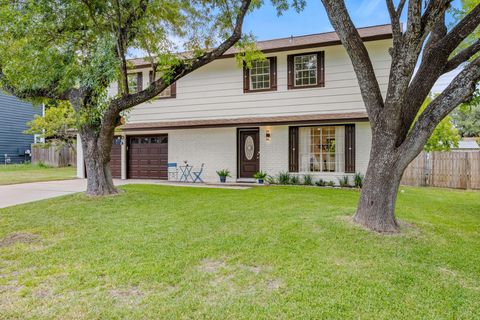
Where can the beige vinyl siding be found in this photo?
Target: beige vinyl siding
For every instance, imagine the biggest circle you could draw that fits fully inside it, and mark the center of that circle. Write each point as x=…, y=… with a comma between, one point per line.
x=216, y=90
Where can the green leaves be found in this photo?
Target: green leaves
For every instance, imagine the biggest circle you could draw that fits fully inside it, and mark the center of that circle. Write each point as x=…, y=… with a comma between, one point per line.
x=56, y=124
x=444, y=137
x=467, y=118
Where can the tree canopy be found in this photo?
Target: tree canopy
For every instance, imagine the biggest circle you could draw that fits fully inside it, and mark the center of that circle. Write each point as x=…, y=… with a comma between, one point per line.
x=467, y=118
x=56, y=125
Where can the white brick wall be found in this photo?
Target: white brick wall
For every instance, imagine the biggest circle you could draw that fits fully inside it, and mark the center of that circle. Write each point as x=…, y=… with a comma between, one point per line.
x=274, y=154
x=217, y=148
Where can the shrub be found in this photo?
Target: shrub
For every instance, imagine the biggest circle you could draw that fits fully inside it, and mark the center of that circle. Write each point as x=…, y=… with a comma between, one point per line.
x=307, y=180
x=321, y=183
x=358, y=180
x=42, y=165
x=294, y=180
x=271, y=180
x=343, y=182
x=284, y=178
x=223, y=173
x=330, y=184
x=260, y=175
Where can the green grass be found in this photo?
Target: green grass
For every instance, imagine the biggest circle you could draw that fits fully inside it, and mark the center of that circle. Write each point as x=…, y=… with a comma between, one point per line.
x=264, y=253
x=23, y=173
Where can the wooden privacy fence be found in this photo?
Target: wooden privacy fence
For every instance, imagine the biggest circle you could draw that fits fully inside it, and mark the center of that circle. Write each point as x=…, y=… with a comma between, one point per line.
x=453, y=169
x=54, y=156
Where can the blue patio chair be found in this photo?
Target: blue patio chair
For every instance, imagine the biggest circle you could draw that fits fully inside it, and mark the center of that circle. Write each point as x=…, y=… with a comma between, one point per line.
x=197, y=174
x=172, y=171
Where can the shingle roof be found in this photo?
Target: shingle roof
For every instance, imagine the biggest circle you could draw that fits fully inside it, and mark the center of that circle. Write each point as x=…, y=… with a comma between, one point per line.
x=319, y=39
x=298, y=42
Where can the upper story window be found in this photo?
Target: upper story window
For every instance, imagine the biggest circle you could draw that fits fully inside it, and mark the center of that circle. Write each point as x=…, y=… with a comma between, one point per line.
x=169, y=92
x=135, y=82
x=306, y=70
x=261, y=77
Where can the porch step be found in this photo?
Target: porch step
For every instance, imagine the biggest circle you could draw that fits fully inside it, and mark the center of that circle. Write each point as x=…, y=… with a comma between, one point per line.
x=246, y=180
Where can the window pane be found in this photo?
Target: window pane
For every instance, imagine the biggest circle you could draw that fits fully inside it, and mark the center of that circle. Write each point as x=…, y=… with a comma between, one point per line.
x=305, y=70
x=260, y=75
x=322, y=149
x=132, y=83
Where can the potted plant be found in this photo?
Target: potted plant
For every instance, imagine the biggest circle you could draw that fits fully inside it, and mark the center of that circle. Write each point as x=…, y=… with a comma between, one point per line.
x=223, y=174
x=260, y=176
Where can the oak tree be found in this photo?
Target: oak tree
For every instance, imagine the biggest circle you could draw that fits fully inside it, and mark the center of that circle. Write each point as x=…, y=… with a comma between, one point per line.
x=73, y=50
x=422, y=51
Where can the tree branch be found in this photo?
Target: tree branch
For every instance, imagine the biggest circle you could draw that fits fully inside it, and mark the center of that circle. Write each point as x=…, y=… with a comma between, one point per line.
x=395, y=19
x=462, y=56
x=405, y=56
x=184, y=68
x=351, y=40
x=435, y=63
x=461, y=30
x=460, y=89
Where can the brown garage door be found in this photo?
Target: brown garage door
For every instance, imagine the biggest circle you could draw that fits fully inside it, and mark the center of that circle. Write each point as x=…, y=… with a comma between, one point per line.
x=148, y=157
x=116, y=158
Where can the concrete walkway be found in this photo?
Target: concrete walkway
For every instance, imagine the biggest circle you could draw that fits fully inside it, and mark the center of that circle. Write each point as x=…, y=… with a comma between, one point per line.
x=11, y=195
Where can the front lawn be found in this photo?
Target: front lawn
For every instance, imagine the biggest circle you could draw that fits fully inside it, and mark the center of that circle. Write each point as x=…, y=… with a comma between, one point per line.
x=22, y=173
x=159, y=252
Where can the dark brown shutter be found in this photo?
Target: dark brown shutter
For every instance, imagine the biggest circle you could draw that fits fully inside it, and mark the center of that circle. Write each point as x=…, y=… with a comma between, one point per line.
x=139, y=81
x=173, y=90
x=150, y=76
x=350, y=148
x=246, y=78
x=293, y=149
x=290, y=71
x=321, y=68
x=273, y=73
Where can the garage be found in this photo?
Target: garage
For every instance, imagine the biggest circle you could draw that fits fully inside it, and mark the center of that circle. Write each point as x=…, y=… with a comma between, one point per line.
x=148, y=157
x=116, y=158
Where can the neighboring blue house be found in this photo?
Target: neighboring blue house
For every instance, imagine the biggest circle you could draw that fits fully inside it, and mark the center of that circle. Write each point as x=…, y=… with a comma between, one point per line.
x=14, y=114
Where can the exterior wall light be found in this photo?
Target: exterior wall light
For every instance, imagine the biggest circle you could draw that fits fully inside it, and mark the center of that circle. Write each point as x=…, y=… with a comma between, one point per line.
x=268, y=135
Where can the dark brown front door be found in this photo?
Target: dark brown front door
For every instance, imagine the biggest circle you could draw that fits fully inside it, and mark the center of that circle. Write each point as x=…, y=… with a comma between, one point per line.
x=148, y=157
x=248, y=152
x=116, y=158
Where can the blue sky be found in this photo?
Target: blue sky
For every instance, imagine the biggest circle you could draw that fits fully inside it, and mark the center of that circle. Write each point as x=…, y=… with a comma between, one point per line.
x=265, y=24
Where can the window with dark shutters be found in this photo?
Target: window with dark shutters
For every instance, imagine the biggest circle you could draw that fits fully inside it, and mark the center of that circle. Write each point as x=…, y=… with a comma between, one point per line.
x=293, y=149
x=350, y=148
x=292, y=75
x=272, y=77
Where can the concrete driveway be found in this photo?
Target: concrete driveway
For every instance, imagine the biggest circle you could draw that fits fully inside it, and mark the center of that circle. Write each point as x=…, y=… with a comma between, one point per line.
x=11, y=195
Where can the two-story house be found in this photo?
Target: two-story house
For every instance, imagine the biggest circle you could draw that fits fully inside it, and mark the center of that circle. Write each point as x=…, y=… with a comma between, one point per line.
x=300, y=111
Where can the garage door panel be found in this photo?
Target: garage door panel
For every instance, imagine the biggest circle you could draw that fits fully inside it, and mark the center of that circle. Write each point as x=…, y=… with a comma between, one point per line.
x=148, y=157
x=116, y=158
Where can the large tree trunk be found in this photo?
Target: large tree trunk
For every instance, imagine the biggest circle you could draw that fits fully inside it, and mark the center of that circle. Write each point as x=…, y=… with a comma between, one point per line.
x=376, y=208
x=97, y=158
